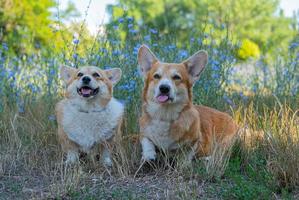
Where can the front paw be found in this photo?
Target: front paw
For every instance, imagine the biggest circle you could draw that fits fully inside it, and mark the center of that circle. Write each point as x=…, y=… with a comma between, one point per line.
x=148, y=150
x=72, y=157
x=107, y=162
x=149, y=156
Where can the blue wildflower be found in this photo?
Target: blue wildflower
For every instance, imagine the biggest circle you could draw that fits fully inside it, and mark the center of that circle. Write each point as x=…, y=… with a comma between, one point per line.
x=215, y=76
x=223, y=57
x=130, y=86
x=254, y=89
x=75, y=56
x=3, y=73
x=147, y=37
x=49, y=82
x=76, y=41
x=120, y=20
x=37, y=45
x=10, y=74
x=130, y=26
x=133, y=31
x=52, y=72
x=103, y=50
x=294, y=45
x=116, y=52
x=107, y=67
x=199, y=41
x=294, y=90
x=130, y=19
x=153, y=31
x=4, y=46
x=136, y=72
x=229, y=101
x=115, y=42
x=136, y=48
x=222, y=26
x=132, y=83
x=172, y=46
x=129, y=99
x=215, y=65
x=215, y=51
x=183, y=54
x=244, y=98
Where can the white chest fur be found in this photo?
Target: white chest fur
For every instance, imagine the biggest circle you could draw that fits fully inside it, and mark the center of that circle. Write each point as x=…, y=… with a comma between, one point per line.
x=91, y=125
x=158, y=132
x=158, y=129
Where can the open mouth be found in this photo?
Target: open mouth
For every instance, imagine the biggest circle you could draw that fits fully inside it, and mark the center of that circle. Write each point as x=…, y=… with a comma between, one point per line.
x=87, y=91
x=163, y=98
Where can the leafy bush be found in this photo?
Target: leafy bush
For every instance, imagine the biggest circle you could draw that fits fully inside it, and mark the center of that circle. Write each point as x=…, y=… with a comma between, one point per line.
x=248, y=49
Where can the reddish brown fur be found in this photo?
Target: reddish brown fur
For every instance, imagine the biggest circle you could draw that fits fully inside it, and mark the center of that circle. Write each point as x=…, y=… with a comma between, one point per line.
x=195, y=125
x=185, y=82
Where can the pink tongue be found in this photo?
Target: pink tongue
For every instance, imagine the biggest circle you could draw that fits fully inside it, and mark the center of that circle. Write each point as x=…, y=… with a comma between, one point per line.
x=85, y=91
x=162, y=98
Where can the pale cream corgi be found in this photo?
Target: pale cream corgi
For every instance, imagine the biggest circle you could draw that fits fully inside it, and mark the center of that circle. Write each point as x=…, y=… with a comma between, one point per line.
x=88, y=116
x=169, y=119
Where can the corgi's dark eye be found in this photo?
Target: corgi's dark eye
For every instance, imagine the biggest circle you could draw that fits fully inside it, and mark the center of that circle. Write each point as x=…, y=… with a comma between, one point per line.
x=157, y=76
x=80, y=74
x=96, y=75
x=176, y=77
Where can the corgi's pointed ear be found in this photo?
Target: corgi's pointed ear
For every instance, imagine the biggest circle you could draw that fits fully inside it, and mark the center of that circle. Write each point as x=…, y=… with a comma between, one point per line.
x=66, y=73
x=196, y=64
x=114, y=75
x=146, y=59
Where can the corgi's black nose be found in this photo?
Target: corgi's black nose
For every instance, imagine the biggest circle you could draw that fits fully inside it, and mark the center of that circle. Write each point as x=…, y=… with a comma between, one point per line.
x=86, y=80
x=164, y=89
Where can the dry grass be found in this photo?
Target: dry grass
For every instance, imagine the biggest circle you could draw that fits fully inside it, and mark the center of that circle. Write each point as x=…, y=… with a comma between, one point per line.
x=31, y=162
x=217, y=162
x=282, y=146
x=275, y=135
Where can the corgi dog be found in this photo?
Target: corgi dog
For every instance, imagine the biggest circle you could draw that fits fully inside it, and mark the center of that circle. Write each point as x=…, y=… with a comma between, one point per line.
x=88, y=116
x=169, y=119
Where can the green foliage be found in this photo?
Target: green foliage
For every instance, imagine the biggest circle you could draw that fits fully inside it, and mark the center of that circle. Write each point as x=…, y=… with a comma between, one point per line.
x=255, y=20
x=243, y=182
x=27, y=25
x=252, y=183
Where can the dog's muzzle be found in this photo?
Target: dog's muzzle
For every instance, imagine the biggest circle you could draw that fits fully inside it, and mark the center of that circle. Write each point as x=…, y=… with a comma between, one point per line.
x=86, y=91
x=164, y=94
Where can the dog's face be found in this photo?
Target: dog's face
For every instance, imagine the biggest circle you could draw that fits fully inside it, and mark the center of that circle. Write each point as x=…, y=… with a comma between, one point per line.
x=169, y=83
x=89, y=82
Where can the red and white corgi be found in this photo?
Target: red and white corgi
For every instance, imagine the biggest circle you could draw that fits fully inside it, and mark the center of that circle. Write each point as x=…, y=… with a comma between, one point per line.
x=169, y=118
x=89, y=116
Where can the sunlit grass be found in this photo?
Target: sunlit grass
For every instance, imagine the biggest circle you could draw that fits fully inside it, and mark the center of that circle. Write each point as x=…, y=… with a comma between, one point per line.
x=29, y=148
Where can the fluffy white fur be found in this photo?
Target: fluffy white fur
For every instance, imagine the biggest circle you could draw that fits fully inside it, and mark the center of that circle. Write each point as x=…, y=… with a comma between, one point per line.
x=85, y=122
x=91, y=125
x=148, y=149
